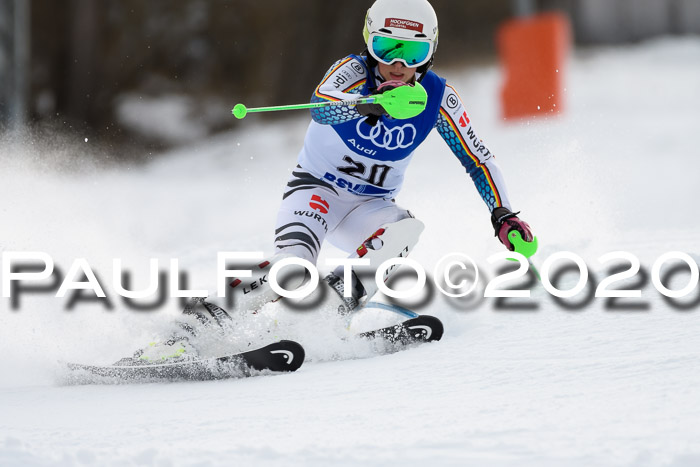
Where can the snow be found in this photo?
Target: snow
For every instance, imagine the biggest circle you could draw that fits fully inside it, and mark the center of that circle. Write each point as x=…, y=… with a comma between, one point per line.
x=166, y=117
x=551, y=386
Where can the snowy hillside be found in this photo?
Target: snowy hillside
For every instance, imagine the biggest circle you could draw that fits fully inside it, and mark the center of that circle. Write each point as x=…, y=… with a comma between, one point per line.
x=549, y=386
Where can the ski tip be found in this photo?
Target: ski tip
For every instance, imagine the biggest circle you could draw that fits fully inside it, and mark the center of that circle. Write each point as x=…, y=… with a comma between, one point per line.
x=436, y=326
x=297, y=352
x=283, y=356
x=424, y=328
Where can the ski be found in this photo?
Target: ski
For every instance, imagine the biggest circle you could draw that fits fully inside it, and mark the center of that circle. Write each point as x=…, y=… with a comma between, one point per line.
x=423, y=328
x=282, y=356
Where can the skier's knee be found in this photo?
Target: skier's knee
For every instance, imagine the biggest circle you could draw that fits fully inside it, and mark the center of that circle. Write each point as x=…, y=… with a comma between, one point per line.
x=391, y=240
x=394, y=240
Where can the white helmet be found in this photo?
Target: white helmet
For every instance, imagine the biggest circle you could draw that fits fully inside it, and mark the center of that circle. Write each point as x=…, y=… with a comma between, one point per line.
x=401, y=30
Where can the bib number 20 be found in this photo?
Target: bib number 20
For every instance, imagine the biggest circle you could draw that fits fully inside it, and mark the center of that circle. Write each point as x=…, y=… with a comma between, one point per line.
x=376, y=175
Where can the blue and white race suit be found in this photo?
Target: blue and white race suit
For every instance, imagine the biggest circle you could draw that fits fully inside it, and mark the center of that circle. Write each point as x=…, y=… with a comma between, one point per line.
x=349, y=171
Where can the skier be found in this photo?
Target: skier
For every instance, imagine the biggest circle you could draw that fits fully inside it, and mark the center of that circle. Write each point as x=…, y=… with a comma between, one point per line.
x=352, y=164
x=353, y=161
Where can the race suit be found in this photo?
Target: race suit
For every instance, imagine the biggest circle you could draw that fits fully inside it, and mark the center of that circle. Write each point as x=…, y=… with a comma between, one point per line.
x=349, y=171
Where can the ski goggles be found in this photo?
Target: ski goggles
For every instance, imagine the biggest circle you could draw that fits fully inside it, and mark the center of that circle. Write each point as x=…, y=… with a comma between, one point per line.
x=412, y=53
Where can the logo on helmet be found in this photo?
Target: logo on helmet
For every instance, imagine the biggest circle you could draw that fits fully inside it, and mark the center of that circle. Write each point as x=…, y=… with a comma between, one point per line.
x=403, y=24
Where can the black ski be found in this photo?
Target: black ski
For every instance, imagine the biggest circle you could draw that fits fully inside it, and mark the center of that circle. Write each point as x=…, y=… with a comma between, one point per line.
x=424, y=328
x=282, y=356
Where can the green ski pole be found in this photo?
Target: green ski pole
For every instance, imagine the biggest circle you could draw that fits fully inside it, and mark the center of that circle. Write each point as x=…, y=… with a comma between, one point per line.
x=401, y=103
x=527, y=249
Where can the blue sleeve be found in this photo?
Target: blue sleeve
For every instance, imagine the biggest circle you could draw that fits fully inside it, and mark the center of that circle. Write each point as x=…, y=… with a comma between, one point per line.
x=479, y=163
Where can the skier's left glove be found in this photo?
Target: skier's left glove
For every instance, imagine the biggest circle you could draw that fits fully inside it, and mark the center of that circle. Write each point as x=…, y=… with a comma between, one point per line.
x=376, y=110
x=504, y=221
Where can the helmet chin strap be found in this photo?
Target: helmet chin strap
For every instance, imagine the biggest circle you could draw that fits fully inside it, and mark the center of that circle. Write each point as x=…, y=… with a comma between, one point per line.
x=423, y=69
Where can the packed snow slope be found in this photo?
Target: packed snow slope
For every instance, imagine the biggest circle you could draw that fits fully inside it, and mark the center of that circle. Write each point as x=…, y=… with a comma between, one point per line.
x=585, y=382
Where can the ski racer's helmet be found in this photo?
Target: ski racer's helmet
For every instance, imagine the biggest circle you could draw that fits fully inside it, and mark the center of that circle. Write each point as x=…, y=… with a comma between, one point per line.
x=402, y=30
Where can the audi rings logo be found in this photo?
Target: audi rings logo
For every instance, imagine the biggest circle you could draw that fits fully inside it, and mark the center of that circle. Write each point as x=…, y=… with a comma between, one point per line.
x=398, y=137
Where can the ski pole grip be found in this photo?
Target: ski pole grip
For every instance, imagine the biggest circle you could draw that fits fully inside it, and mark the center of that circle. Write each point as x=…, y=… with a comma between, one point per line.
x=527, y=249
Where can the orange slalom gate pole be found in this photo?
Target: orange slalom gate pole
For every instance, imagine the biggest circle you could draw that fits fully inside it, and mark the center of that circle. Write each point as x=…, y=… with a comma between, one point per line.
x=533, y=52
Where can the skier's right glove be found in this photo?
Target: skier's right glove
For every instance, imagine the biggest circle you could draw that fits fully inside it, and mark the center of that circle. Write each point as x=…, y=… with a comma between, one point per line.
x=504, y=221
x=374, y=111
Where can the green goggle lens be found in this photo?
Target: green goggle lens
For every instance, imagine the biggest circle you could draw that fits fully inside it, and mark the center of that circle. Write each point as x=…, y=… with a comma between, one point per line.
x=389, y=49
